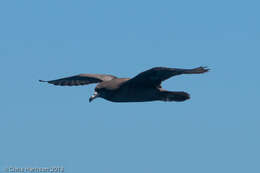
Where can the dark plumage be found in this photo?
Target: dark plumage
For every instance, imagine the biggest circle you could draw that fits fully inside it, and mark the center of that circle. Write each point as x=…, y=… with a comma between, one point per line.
x=146, y=86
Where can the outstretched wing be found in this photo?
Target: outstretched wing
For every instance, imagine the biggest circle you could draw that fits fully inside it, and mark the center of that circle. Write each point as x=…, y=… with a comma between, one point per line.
x=156, y=75
x=81, y=79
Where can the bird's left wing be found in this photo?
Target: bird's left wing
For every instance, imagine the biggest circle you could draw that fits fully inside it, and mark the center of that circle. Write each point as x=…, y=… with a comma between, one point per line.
x=81, y=79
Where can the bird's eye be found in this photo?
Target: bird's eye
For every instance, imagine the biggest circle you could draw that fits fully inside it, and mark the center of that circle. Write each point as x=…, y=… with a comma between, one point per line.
x=97, y=89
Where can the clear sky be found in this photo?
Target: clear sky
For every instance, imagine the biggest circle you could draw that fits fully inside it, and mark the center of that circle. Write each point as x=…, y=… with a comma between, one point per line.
x=216, y=131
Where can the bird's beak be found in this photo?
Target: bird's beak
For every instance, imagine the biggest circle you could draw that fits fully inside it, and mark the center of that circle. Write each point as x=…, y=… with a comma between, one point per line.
x=95, y=95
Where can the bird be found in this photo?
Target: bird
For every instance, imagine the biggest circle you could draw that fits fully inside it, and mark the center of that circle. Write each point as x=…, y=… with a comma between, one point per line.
x=144, y=87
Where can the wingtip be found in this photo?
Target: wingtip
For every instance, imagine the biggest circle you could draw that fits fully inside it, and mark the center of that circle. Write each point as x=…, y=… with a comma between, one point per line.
x=206, y=68
x=42, y=81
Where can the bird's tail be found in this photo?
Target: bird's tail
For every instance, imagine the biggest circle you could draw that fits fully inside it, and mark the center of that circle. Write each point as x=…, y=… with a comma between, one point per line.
x=177, y=96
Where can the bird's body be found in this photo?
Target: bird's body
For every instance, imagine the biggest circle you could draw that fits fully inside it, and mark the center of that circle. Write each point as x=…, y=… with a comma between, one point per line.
x=146, y=86
x=131, y=93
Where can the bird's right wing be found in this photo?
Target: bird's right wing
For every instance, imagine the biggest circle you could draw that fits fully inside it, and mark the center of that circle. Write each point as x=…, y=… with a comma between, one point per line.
x=156, y=75
x=81, y=79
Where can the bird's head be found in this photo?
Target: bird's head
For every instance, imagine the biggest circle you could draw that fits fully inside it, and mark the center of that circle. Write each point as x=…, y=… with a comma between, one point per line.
x=99, y=92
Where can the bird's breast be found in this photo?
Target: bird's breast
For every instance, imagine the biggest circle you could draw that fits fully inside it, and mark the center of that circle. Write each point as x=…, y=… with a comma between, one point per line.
x=134, y=95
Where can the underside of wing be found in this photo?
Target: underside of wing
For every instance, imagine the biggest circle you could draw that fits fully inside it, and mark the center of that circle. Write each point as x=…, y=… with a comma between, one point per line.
x=156, y=75
x=81, y=79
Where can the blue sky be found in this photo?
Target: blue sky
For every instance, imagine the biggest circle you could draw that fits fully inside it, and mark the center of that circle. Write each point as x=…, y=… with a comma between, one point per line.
x=217, y=130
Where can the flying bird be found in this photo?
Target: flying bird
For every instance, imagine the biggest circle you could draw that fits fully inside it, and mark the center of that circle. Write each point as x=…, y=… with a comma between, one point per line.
x=146, y=86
